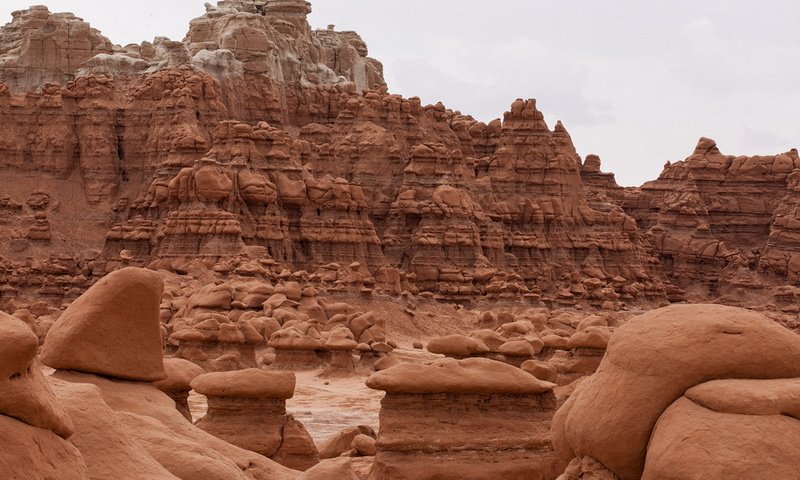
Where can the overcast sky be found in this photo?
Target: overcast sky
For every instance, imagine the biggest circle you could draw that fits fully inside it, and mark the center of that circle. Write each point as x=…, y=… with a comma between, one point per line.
x=637, y=82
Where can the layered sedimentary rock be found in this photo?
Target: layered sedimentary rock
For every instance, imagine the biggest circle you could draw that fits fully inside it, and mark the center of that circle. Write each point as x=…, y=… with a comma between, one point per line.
x=273, y=38
x=438, y=419
x=248, y=409
x=228, y=326
x=257, y=139
x=328, y=168
x=710, y=217
x=781, y=252
x=730, y=370
x=40, y=47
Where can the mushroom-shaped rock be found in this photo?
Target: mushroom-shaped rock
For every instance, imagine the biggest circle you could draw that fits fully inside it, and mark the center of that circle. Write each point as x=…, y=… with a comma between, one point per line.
x=249, y=383
x=177, y=385
x=457, y=346
x=340, y=343
x=25, y=394
x=295, y=349
x=517, y=348
x=516, y=351
x=658, y=356
x=113, y=329
x=248, y=409
x=439, y=419
x=144, y=417
x=340, y=338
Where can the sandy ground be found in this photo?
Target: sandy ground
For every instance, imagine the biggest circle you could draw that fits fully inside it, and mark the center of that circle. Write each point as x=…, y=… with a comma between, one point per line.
x=323, y=405
x=326, y=405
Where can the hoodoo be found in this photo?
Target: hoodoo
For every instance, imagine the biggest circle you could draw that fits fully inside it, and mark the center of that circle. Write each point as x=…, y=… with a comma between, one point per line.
x=237, y=255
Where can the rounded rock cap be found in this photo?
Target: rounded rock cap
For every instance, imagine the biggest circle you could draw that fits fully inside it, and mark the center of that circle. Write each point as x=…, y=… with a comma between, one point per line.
x=249, y=383
x=471, y=375
x=113, y=329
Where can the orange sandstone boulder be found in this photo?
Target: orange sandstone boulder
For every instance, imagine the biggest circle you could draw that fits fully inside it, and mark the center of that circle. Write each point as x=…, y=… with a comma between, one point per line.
x=113, y=329
x=457, y=346
x=33, y=425
x=651, y=361
x=25, y=394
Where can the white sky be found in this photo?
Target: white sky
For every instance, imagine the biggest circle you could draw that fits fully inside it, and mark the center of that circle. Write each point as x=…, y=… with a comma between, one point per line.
x=637, y=82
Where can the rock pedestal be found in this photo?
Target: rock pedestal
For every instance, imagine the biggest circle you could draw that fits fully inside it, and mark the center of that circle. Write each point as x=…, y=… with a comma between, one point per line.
x=463, y=419
x=248, y=409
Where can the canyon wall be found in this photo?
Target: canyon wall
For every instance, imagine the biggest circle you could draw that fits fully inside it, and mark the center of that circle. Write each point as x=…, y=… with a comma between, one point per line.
x=258, y=138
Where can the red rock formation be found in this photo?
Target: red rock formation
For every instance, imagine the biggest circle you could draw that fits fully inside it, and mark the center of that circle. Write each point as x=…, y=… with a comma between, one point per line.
x=143, y=118
x=667, y=356
x=710, y=217
x=33, y=425
x=436, y=420
x=248, y=409
x=38, y=47
x=130, y=429
x=257, y=139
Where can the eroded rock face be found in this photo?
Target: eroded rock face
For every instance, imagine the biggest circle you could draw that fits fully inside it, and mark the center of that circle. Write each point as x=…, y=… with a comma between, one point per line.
x=125, y=427
x=711, y=217
x=34, y=427
x=26, y=396
x=256, y=138
x=327, y=168
x=750, y=428
x=670, y=357
x=177, y=385
x=40, y=47
x=273, y=38
x=32, y=452
x=148, y=417
x=438, y=419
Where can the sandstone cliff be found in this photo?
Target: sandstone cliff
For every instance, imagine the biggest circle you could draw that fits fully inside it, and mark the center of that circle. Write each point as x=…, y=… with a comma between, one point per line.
x=256, y=138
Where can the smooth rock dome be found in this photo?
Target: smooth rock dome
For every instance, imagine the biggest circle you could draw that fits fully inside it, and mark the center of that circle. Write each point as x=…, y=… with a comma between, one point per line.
x=112, y=330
